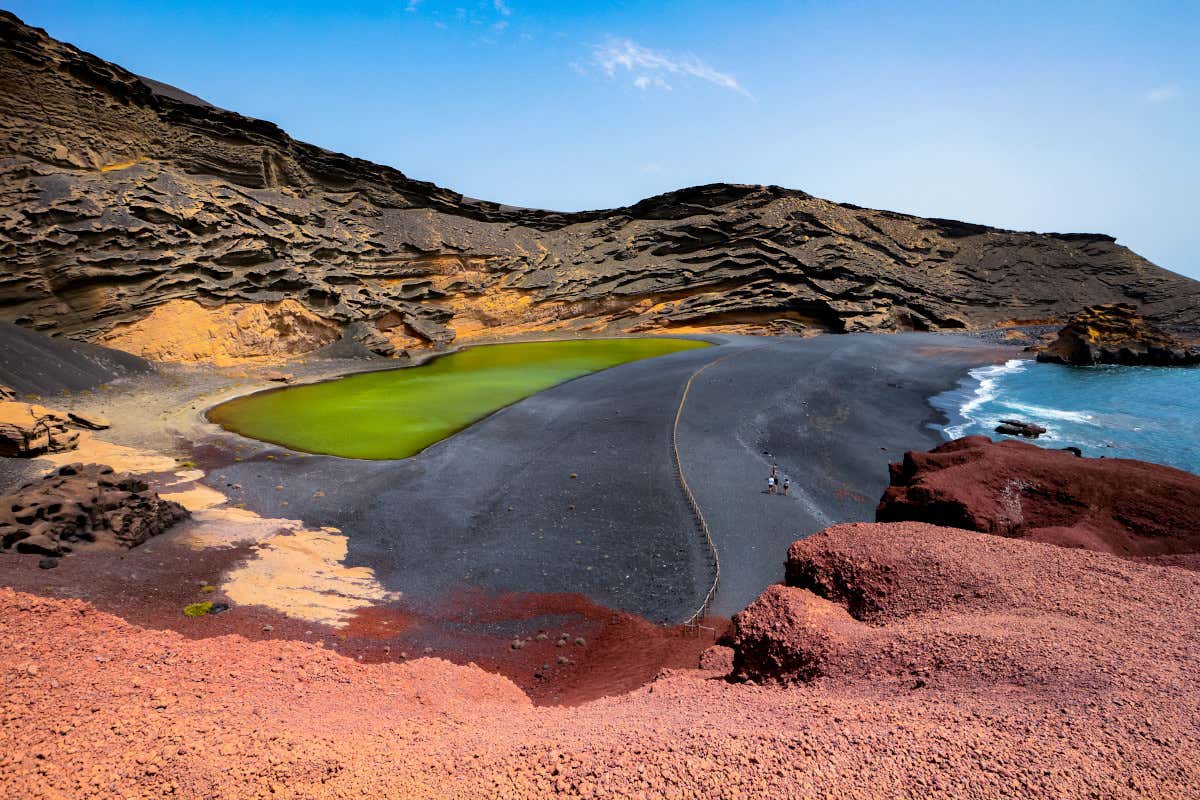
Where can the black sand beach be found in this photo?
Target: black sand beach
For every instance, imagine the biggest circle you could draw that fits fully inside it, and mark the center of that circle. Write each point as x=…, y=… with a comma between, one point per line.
x=496, y=506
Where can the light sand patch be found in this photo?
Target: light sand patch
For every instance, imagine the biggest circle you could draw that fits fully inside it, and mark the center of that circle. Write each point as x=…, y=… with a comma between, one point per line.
x=301, y=574
x=185, y=331
x=198, y=498
x=294, y=570
x=121, y=458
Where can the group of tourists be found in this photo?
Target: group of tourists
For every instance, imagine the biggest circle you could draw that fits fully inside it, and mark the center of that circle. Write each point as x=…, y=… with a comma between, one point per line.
x=774, y=485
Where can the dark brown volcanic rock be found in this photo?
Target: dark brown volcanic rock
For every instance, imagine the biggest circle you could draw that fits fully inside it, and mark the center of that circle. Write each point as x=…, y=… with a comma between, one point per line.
x=33, y=363
x=83, y=503
x=1114, y=505
x=1115, y=333
x=119, y=196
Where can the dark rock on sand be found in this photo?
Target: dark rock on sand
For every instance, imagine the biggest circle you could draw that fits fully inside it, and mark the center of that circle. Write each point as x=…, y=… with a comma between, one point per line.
x=1120, y=506
x=91, y=422
x=1015, y=427
x=1115, y=333
x=145, y=199
x=83, y=503
x=28, y=430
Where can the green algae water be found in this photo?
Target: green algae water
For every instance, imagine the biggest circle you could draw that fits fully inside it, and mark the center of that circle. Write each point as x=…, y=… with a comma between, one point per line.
x=397, y=413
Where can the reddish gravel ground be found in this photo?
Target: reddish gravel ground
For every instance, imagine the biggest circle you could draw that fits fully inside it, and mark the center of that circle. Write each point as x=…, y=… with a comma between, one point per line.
x=605, y=652
x=982, y=667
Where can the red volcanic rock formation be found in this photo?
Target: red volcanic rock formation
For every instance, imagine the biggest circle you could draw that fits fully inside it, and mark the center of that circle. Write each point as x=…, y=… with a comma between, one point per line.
x=1114, y=333
x=1114, y=505
x=910, y=604
x=991, y=668
x=791, y=634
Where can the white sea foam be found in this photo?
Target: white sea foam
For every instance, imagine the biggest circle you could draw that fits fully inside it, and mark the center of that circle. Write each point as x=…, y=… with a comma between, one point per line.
x=989, y=379
x=1041, y=412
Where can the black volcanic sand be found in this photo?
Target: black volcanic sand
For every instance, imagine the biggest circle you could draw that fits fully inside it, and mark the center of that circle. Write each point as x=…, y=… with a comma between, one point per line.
x=495, y=507
x=33, y=363
x=479, y=534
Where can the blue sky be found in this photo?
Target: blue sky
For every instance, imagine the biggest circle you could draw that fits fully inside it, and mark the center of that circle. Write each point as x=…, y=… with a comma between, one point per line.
x=1037, y=116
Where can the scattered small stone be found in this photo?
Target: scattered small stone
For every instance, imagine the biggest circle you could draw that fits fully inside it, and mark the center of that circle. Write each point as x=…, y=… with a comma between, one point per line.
x=268, y=628
x=580, y=642
x=89, y=421
x=517, y=644
x=48, y=563
x=564, y=660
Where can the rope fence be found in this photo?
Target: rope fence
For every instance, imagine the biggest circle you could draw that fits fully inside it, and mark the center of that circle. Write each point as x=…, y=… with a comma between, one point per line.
x=693, y=621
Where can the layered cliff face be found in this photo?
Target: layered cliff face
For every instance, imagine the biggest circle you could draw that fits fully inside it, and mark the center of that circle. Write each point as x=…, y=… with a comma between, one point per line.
x=120, y=196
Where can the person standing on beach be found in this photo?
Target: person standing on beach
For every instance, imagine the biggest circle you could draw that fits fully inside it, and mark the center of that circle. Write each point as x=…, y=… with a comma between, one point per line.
x=771, y=485
x=787, y=484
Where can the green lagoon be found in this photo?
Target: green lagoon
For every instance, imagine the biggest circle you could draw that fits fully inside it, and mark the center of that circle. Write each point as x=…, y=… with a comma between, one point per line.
x=397, y=413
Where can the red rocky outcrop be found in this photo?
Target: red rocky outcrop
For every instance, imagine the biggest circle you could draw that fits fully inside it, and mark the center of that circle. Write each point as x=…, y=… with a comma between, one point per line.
x=1120, y=506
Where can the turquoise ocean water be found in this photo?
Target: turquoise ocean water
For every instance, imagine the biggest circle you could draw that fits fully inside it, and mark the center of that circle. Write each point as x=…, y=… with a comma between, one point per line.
x=1147, y=413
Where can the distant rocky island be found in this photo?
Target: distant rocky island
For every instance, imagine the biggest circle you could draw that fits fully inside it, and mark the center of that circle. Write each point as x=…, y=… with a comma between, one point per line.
x=136, y=214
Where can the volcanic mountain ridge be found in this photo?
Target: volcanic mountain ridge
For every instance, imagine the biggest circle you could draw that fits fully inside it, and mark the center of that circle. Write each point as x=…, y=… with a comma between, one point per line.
x=136, y=214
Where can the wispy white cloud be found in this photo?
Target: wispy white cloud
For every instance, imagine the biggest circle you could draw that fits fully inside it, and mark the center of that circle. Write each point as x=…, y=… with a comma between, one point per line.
x=644, y=82
x=412, y=5
x=650, y=66
x=502, y=7
x=1162, y=94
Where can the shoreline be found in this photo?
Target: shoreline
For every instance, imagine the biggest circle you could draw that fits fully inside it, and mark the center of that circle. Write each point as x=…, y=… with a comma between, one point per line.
x=429, y=358
x=506, y=525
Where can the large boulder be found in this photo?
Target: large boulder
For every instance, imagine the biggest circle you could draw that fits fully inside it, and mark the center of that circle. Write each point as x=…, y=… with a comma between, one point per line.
x=28, y=430
x=792, y=635
x=1114, y=333
x=1120, y=506
x=83, y=503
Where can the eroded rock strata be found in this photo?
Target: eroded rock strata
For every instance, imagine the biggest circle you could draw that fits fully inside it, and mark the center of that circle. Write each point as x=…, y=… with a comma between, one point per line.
x=28, y=430
x=1115, y=333
x=121, y=197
